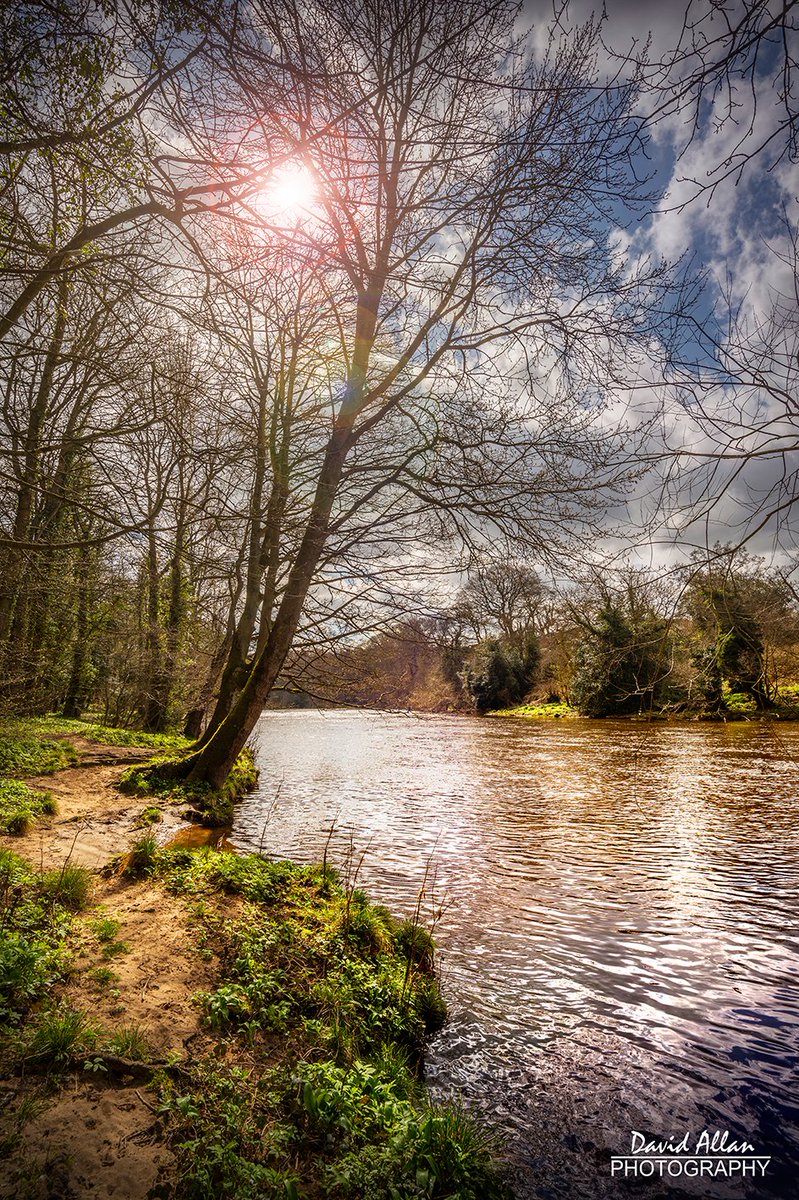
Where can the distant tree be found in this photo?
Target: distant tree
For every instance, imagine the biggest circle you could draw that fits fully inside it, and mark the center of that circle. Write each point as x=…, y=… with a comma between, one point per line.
x=502, y=597
x=742, y=614
x=497, y=675
x=621, y=662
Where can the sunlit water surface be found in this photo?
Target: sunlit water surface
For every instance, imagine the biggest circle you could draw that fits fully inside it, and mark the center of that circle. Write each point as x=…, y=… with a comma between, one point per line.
x=619, y=942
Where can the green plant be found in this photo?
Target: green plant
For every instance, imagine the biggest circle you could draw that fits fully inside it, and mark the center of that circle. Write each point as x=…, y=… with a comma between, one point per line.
x=143, y=856
x=103, y=976
x=23, y=753
x=416, y=944
x=130, y=1041
x=429, y=1005
x=106, y=928
x=151, y=815
x=68, y=886
x=20, y=806
x=114, y=949
x=29, y=965
x=436, y=1153
x=61, y=1034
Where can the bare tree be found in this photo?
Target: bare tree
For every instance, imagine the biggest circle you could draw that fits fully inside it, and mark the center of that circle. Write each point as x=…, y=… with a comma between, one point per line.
x=463, y=191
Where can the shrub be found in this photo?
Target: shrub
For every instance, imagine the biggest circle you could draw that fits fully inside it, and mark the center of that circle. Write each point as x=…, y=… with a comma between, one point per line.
x=68, y=887
x=496, y=675
x=621, y=663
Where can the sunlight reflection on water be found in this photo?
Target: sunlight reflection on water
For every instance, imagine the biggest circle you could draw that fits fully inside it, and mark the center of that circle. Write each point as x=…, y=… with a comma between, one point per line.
x=619, y=942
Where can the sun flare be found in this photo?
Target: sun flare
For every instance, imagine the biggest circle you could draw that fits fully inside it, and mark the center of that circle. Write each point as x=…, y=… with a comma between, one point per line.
x=288, y=194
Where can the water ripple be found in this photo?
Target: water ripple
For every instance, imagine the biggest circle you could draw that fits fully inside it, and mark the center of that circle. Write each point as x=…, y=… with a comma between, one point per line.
x=619, y=934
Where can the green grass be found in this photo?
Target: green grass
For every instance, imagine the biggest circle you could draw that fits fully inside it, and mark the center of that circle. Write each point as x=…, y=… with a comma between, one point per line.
x=21, y=806
x=59, y=1035
x=536, y=710
x=151, y=815
x=24, y=752
x=106, y=734
x=115, y=949
x=129, y=1041
x=106, y=928
x=103, y=977
x=345, y=997
x=68, y=886
x=319, y=1009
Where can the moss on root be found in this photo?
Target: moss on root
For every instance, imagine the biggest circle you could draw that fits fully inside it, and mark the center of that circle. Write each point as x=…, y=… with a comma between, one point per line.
x=207, y=805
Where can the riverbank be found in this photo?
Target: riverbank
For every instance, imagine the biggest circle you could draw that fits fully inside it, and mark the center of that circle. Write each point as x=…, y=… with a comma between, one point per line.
x=737, y=707
x=190, y=1023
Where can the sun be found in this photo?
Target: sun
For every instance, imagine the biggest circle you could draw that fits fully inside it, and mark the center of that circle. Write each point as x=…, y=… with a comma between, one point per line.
x=288, y=194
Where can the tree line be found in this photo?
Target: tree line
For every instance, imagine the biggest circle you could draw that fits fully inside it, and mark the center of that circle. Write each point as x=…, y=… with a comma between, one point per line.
x=713, y=638
x=303, y=307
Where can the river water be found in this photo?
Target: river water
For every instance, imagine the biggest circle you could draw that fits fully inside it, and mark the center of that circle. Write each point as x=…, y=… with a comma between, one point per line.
x=616, y=907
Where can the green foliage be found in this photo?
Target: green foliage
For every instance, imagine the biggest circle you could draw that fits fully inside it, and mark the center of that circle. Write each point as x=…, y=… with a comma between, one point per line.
x=23, y=753
x=162, y=777
x=59, y=1035
x=429, y=1006
x=103, y=976
x=151, y=815
x=142, y=857
x=496, y=674
x=549, y=710
x=114, y=949
x=620, y=663
x=33, y=929
x=129, y=1041
x=69, y=886
x=108, y=735
x=226, y=1138
x=387, y=1146
x=106, y=928
x=20, y=806
x=727, y=602
x=416, y=943
x=348, y=992
x=29, y=966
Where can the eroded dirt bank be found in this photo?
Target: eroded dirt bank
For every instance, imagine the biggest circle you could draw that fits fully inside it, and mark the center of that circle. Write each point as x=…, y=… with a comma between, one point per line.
x=96, y=1133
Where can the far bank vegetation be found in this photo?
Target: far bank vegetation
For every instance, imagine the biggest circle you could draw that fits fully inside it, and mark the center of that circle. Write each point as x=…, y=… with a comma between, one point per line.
x=717, y=638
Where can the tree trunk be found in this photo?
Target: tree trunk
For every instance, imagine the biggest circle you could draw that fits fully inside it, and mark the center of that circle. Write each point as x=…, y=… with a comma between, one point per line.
x=213, y=762
x=29, y=480
x=152, y=716
x=76, y=688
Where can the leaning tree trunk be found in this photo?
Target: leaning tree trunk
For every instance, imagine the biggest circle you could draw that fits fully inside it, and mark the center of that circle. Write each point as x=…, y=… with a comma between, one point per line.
x=213, y=762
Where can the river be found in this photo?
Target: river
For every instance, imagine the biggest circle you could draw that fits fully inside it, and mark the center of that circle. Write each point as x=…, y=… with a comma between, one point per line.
x=616, y=908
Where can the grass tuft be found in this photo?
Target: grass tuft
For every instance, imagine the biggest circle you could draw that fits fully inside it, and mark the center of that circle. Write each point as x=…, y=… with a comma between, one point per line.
x=60, y=1035
x=69, y=887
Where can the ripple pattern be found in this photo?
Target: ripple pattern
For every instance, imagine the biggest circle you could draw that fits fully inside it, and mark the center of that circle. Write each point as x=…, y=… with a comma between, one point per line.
x=616, y=907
